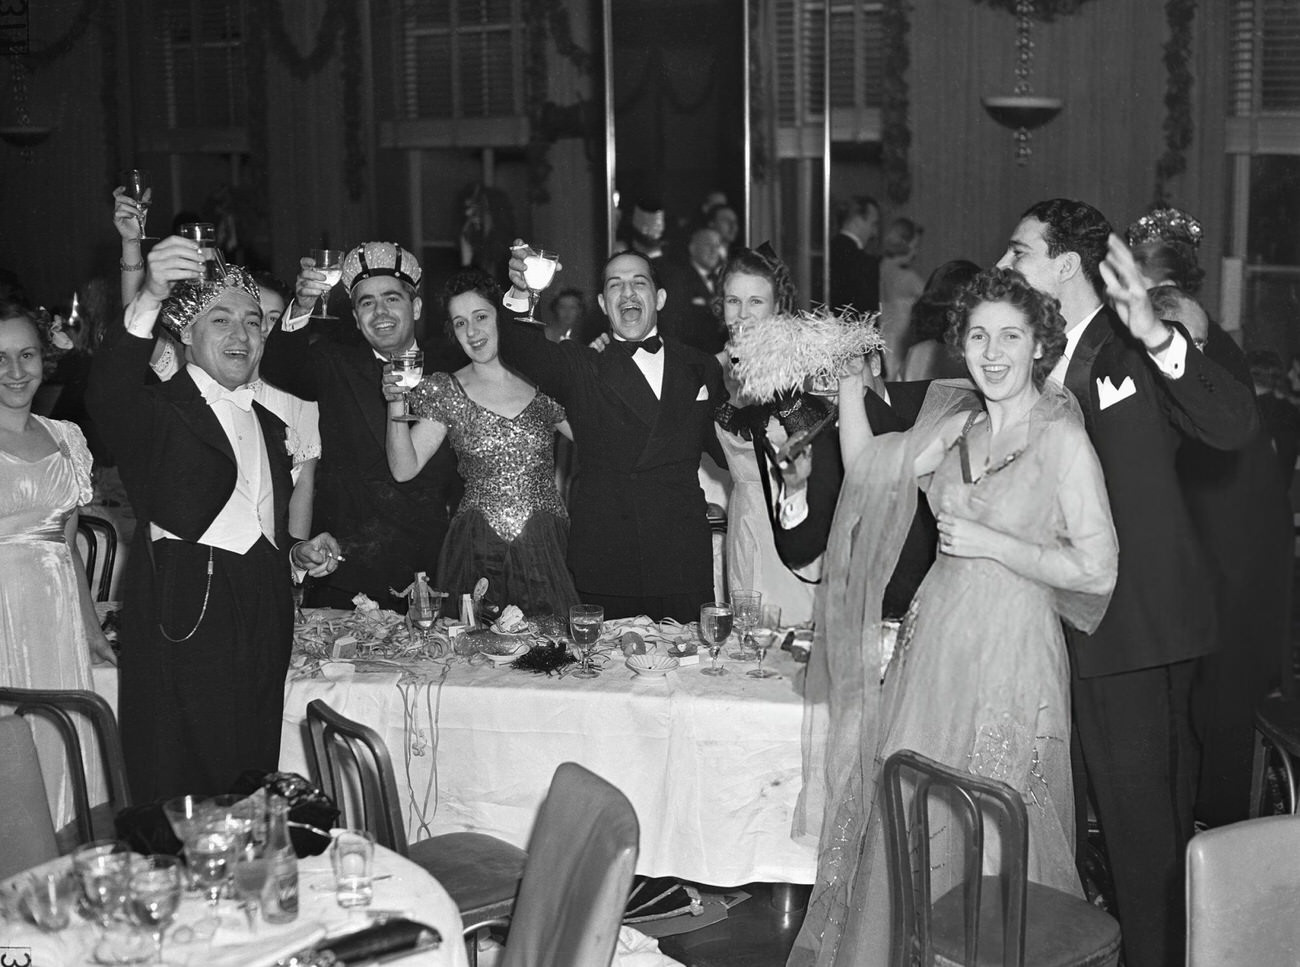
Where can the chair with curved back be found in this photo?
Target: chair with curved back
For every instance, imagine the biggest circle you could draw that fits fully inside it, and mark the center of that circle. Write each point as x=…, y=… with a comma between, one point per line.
x=581, y=857
x=61, y=707
x=480, y=872
x=984, y=920
x=1242, y=881
x=100, y=555
x=27, y=833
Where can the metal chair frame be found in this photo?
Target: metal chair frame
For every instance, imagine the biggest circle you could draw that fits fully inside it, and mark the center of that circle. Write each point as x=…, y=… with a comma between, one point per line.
x=96, y=530
x=55, y=706
x=910, y=889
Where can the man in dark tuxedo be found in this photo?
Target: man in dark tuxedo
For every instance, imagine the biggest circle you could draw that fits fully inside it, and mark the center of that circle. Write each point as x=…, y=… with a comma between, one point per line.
x=1243, y=518
x=690, y=283
x=207, y=614
x=1144, y=391
x=642, y=414
x=812, y=488
x=388, y=530
x=855, y=268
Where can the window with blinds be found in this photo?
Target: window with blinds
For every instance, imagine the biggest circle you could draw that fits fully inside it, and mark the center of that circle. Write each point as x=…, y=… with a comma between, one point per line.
x=192, y=64
x=1264, y=58
x=855, y=62
x=461, y=59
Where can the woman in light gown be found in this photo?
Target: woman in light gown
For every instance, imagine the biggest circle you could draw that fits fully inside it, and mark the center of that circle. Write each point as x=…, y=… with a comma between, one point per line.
x=511, y=527
x=755, y=286
x=48, y=627
x=979, y=676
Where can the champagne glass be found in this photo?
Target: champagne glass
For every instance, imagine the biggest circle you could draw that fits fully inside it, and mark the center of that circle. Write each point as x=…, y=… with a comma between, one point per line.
x=409, y=367
x=154, y=895
x=586, y=621
x=539, y=269
x=746, y=606
x=762, y=638
x=715, y=626
x=330, y=262
x=252, y=870
x=136, y=183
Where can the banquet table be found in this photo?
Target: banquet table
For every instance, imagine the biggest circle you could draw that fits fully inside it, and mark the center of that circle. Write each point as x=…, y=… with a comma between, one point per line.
x=712, y=765
x=406, y=890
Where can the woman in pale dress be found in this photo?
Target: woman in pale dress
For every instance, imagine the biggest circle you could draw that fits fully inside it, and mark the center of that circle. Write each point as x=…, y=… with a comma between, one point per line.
x=755, y=286
x=48, y=628
x=979, y=677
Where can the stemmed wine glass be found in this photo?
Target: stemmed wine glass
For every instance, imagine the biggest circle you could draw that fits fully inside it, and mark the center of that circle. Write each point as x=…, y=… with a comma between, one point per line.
x=211, y=854
x=586, y=621
x=136, y=183
x=539, y=269
x=103, y=867
x=154, y=895
x=715, y=626
x=330, y=262
x=746, y=606
x=409, y=367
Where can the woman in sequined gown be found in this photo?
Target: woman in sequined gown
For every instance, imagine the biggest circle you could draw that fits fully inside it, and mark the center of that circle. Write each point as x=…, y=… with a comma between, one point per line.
x=979, y=677
x=511, y=527
x=48, y=628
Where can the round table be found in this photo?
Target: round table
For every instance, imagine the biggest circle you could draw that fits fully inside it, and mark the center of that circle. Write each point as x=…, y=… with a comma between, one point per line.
x=401, y=887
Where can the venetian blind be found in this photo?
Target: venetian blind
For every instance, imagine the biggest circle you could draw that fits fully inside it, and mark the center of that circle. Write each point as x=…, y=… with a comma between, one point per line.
x=1264, y=57
x=855, y=52
x=192, y=66
x=461, y=59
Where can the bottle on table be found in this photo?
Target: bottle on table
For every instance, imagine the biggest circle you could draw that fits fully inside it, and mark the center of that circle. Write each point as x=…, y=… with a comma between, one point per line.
x=280, y=900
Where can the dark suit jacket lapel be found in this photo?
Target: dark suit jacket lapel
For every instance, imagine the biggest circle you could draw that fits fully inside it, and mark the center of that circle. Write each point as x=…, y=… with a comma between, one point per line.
x=363, y=380
x=196, y=413
x=681, y=385
x=627, y=381
x=277, y=455
x=1078, y=375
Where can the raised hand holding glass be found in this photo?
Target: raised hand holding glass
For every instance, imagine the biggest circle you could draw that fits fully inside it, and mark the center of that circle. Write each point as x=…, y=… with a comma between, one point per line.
x=409, y=367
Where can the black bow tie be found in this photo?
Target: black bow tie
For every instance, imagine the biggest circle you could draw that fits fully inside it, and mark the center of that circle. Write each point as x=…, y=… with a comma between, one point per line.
x=651, y=345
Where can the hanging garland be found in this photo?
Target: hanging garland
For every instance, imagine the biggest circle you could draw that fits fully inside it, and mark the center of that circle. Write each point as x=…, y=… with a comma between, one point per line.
x=336, y=12
x=1179, y=126
x=108, y=90
x=1044, y=10
x=547, y=120
x=895, y=134
x=37, y=59
x=259, y=127
x=354, y=155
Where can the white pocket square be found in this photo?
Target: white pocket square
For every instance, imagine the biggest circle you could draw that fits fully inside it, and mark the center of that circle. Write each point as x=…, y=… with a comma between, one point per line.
x=703, y=394
x=1108, y=394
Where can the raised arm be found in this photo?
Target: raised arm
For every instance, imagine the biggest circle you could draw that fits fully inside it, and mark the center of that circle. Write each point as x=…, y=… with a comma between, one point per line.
x=855, y=431
x=409, y=446
x=286, y=357
x=126, y=219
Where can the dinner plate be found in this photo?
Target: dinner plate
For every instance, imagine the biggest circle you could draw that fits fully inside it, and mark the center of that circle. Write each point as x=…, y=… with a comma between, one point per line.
x=508, y=657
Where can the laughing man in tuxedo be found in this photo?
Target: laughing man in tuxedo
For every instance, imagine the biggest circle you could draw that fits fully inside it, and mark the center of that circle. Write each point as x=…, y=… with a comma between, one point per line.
x=642, y=414
x=207, y=610
x=1143, y=392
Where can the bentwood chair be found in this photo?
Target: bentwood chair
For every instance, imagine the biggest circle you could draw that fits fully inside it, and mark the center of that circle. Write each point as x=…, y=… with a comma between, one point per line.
x=27, y=832
x=62, y=708
x=480, y=872
x=1242, y=883
x=581, y=857
x=99, y=538
x=985, y=920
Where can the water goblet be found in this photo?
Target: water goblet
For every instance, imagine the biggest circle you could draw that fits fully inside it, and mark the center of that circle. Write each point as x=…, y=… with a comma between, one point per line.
x=211, y=854
x=136, y=183
x=155, y=895
x=715, y=626
x=101, y=867
x=585, y=622
x=746, y=607
x=330, y=262
x=763, y=638
x=539, y=269
x=409, y=367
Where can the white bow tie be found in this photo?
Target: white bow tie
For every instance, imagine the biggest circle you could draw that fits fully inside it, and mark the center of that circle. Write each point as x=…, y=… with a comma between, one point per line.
x=242, y=397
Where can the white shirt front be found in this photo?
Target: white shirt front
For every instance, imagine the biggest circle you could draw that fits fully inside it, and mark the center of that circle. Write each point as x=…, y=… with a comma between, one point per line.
x=1172, y=361
x=249, y=512
x=650, y=364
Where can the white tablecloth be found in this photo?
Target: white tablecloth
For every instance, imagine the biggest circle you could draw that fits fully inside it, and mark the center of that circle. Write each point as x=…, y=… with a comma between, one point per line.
x=712, y=765
x=408, y=889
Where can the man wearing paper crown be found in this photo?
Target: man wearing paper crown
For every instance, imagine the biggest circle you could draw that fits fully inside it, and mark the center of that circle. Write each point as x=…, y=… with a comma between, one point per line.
x=388, y=530
x=208, y=612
